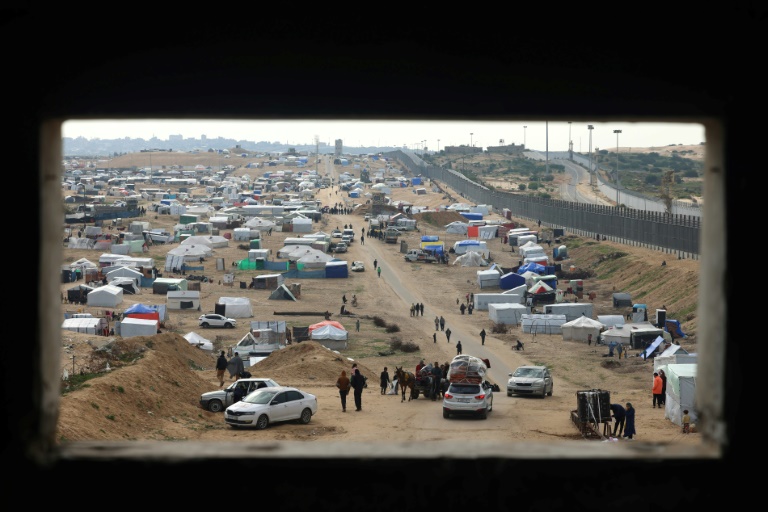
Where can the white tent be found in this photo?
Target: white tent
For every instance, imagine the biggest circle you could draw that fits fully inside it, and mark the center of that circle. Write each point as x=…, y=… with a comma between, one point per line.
x=483, y=301
x=611, y=320
x=259, y=223
x=329, y=332
x=125, y=272
x=301, y=225
x=314, y=259
x=471, y=259
x=128, y=285
x=457, y=227
x=129, y=327
x=543, y=324
x=236, y=307
x=580, y=328
x=488, y=278
x=92, y=325
x=681, y=392
x=105, y=296
x=195, y=339
x=190, y=252
x=212, y=241
x=510, y=314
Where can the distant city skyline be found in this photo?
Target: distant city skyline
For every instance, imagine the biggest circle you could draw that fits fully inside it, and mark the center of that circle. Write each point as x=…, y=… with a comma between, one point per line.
x=415, y=135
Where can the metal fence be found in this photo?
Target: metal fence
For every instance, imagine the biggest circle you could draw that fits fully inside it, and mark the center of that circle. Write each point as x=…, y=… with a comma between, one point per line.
x=675, y=234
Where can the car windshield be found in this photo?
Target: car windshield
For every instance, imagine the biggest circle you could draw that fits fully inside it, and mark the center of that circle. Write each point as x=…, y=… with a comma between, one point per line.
x=261, y=396
x=465, y=389
x=528, y=372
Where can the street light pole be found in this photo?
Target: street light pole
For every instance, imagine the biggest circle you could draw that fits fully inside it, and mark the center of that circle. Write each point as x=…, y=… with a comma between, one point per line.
x=470, y=139
x=591, y=169
x=524, y=127
x=617, y=132
x=438, y=146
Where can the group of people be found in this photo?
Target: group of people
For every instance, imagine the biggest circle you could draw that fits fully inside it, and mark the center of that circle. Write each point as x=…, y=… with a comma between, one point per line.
x=624, y=419
x=417, y=309
x=235, y=367
x=356, y=383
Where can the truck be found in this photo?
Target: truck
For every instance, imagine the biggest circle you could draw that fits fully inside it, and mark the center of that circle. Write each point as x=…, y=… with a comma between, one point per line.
x=391, y=236
x=419, y=255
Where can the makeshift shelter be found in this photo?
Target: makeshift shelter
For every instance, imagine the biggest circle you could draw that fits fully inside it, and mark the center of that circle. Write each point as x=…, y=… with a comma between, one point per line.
x=77, y=294
x=681, y=392
x=143, y=311
x=211, y=241
x=234, y=307
x=163, y=285
x=336, y=269
x=183, y=299
x=488, y=278
x=107, y=296
x=282, y=293
x=125, y=272
x=267, y=281
x=92, y=325
x=580, y=329
x=571, y=310
x=484, y=300
x=511, y=280
x=622, y=300
x=611, y=320
x=457, y=227
x=130, y=327
x=509, y=314
x=673, y=327
x=128, y=285
x=541, y=293
x=471, y=259
x=542, y=324
x=195, y=339
x=330, y=334
x=313, y=260
x=176, y=257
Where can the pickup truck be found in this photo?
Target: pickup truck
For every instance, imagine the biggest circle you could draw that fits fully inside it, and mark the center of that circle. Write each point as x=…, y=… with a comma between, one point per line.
x=419, y=255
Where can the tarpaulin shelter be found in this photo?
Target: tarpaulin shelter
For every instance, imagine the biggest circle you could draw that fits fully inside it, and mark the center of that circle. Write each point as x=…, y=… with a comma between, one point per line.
x=510, y=314
x=681, y=392
x=580, y=329
x=142, y=311
x=129, y=327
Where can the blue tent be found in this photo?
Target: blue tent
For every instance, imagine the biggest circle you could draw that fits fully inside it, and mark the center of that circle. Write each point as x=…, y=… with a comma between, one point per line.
x=140, y=308
x=430, y=238
x=673, y=328
x=533, y=267
x=511, y=280
x=472, y=216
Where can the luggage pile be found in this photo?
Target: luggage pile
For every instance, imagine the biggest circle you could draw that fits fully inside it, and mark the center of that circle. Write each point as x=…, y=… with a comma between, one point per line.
x=466, y=368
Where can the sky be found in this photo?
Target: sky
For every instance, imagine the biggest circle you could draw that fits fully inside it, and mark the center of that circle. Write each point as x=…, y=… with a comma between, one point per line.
x=415, y=135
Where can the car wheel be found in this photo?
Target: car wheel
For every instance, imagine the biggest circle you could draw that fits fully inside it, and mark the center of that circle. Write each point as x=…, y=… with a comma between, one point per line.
x=446, y=414
x=415, y=394
x=509, y=393
x=551, y=390
x=490, y=406
x=262, y=422
x=204, y=324
x=215, y=406
x=306, y=415
x=543, y=392
x=228, y=325
x=484, y=414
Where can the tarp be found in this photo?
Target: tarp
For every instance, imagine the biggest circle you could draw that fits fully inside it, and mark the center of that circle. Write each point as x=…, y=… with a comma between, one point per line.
x=195, y=339
x=511, y=280
x=673, y=327
x=471, y=259
x=681, y=392
x=532, y=267
x=324, y=323
x=282, y=293
x=328, y=332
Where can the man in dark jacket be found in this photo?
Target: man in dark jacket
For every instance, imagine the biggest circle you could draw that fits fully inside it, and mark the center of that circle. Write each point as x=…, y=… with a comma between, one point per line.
x=437, y=377
x=358, y=383
x=235, y=366
x=619, y=415
x=221, y=365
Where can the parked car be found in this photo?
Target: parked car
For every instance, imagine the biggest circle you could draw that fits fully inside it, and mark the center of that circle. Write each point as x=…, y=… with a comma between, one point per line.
x=216, y=320
x=270, y=405
x=336, y=233
x=346, y=239
x=357, y=266
x=530, y=380
x=217, y=401
x=340, y=247
x=468, y=399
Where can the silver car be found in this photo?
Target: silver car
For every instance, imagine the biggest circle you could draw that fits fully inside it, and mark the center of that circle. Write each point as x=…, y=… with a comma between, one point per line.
x=530, y=380
x=468, y=399
x=217, y=401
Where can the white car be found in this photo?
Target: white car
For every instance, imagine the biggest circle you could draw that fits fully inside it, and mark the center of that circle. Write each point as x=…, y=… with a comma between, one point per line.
x=530, y=380
x=270, y=405
x=357, y=266
x=335, y=233
x=216, y=320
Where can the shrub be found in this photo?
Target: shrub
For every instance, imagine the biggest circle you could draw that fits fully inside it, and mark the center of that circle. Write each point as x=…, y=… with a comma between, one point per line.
x=379, y=322
x=409, y=347
x=392, y=328
x=499, y=328
x=395, y=343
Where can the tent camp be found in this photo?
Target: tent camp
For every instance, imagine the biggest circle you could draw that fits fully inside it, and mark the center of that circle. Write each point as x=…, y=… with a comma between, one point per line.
x=681, y=392
x=195, y=339
x=92, y=325
x=105, y=296
x=509, y=314
x=542, y=324
x=234, y=307
x=129, y=327
x=580, y=329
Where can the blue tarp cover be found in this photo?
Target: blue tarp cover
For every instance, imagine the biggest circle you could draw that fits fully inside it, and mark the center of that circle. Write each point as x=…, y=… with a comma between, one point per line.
x=533, y=267
x=430, y=238
x=140, y=308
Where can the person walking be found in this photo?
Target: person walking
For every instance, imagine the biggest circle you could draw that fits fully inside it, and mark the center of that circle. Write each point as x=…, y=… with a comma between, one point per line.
x=442, y=323
x=657, y=385
x=343, y=384
x=221, y=365
x=620, y=349
x=235, y=366
x=686, y=422
x=589, y=339
x=482, y=337
x=434, y=337
x=375, y=263
x=458, y=348
x=357, y=325
x=384, y=381
x=629, y=427
x=437, y=324
x=663, y=387
x=448, y=335
x=358, y=383
x=421, y=308
x=462, y=308
x=619, y=414
x=470, y=308
x=378, y=271
x=437, y=377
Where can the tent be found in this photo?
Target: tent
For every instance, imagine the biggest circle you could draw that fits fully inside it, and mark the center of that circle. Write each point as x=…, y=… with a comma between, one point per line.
x=234, y=307
x=183, y=299
x=510, y=314
x=542, y=324
x=488, y=278
x=673, y=327
x=511, y=280
x=336, y=268
x=125, y=272
x=611, y=320
x=532, y=267
x=328, y=332
x=211, y=241
x=540, y=287
x=580, y=328
x=92, y=325
x=681, y=392
x=457, y=227
x=621, y=300
x=142, y=311
x=484, y=300
x=195, y=339
x=470, y=259
x=128, y=285
x=105, y=296
x=129, y=327
x=282, y=293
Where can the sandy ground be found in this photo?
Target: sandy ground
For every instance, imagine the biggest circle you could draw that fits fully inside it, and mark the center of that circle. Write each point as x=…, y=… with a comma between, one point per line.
x=160, y=393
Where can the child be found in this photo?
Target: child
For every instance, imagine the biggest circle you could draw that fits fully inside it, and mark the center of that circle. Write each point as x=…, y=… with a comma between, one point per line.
x=686, y=422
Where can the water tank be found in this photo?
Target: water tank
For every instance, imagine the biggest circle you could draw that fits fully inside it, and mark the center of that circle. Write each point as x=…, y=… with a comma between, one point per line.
x=594, y=405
